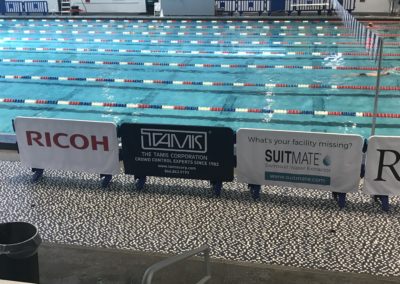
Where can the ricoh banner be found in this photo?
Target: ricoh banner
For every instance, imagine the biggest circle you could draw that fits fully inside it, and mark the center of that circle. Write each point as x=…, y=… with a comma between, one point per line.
x=382, y=170
x=192, y=152
x=68, y=144
x=300, y=159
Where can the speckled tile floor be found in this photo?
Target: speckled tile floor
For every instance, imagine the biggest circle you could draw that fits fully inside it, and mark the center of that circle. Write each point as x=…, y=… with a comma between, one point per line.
x=293, y=227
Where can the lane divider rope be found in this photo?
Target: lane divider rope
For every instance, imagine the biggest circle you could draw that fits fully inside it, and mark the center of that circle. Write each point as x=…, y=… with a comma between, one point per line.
x=279, y=34
x=213, y=27
x=198, y=108
x=195, y=65
x=382, y=21
x=168, y=21
x=196, y=83
x=192, y=52
x=381, y=27
x=191, y=42
x=170, y=33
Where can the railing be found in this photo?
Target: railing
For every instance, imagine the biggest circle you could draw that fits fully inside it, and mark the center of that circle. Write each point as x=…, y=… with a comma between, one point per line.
x=148, y=275
x=243, y=6
x=36, y=7
x=251, y=6
x=228, y=6
x=349, y=5
x=308, y=5
x=317, y=5
x=27, y=7
x=264, y=6
x=14, y=7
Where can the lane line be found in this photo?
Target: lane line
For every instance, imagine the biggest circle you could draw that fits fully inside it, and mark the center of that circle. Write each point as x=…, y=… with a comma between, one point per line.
x=198, y=108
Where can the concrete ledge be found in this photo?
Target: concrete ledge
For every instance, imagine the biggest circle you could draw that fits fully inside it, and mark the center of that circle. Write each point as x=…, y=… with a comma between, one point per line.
x=66, y=264
x=9, y=155
x=121, y=16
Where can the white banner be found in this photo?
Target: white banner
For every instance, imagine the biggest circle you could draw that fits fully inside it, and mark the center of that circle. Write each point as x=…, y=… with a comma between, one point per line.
x=68, y=144
x=299, y=159
x=382, y=170
x=187, y=7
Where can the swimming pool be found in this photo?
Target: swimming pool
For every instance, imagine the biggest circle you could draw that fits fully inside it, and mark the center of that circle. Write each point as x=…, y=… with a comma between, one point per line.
x=75, y=68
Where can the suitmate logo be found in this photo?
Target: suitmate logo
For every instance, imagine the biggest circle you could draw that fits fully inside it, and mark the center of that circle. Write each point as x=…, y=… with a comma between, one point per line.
x=174, y=140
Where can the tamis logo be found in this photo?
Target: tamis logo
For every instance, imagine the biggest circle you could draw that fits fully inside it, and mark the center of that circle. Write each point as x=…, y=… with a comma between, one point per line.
x=174, y=140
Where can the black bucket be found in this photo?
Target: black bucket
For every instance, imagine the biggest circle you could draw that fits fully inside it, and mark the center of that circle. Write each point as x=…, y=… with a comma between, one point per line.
x=19, y=243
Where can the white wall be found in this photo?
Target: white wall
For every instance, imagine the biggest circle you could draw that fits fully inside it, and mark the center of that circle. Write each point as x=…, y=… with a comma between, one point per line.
x=53, y=5
x=110, y=6
x=372, y=6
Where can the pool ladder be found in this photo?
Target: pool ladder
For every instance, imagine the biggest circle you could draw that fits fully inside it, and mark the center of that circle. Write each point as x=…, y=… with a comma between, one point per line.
x=65, y=7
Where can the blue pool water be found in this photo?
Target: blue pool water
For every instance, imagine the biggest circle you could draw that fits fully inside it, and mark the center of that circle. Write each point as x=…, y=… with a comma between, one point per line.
x=78, y=34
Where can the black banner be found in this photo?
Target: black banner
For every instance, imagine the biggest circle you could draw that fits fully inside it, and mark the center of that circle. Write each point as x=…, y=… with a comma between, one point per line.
x=192, y=152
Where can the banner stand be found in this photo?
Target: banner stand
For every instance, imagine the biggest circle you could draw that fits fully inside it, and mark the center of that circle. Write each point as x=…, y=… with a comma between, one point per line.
x=340, y=198
x=217, y=187
x=255, y=191
x=106, y=179
x=37, y=174
x=140, y=182
x=364, y=150
x=384, y=200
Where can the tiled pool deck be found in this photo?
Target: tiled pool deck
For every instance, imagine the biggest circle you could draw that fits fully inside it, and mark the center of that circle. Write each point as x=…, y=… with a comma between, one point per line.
x=292, y=227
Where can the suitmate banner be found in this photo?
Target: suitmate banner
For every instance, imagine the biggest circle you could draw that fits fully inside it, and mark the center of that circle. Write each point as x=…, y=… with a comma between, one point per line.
x=68, y=144
x=192, y=152
x=299, y=159
x=382, y=170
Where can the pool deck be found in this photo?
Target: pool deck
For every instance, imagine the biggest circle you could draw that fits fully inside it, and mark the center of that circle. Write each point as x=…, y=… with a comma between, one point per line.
x=290, y=227
x=310, y=17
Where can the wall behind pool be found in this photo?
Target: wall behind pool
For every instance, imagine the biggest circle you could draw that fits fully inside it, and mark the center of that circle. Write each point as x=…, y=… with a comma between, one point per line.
x=102, y=6
x=111, y=6
x=372, y=6
x=106, y=6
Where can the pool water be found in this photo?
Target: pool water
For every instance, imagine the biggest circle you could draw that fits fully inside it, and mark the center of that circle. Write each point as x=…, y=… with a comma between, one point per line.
x=165, y=40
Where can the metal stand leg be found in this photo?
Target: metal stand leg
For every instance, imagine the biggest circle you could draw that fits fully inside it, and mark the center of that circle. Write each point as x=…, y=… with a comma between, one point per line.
x=37, y=174
x=362, y=173
x=340, y=197
x=106, y=179
x=384, y=200
x=140, y=182
x=217, y=187
x=255, y=190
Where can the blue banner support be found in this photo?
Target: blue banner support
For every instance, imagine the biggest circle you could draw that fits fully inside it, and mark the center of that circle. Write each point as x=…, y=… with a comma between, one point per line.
x=105, y=180
x=140, y=182
x=255, y=191
x=340, y=197
x=384, y=200
x=364, y=150
x=37, y=174
x=217, y=187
